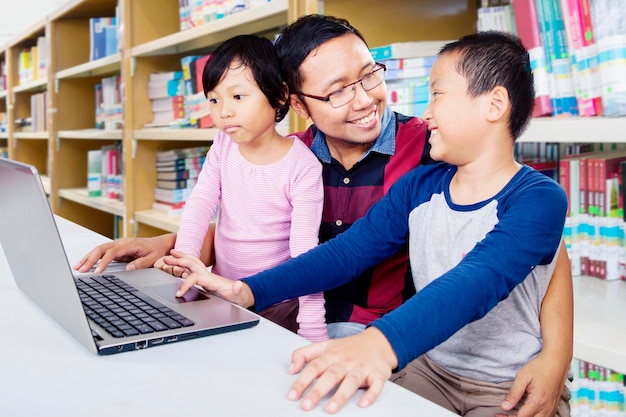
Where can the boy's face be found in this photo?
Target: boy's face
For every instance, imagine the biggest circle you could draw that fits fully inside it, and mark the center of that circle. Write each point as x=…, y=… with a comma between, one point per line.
x=334, y=64
x=454, y=118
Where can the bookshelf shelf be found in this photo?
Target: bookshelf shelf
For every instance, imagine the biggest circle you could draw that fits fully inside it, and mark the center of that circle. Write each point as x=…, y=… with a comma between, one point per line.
x=79, y=195
x=3, y=94
x=174, y=134
x=600, y=308
x=260, y=19
x=91, y=134
x=576, y=129
x=101, y=67
x=4, y=135
x=32, y=135
x=40, y=84
x=158, y=220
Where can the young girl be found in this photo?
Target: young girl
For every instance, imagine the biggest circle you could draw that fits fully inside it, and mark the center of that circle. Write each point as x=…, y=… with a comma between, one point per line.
x=268, y=187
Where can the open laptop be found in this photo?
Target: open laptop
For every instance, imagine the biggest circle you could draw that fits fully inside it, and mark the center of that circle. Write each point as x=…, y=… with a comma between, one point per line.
x=81, y=303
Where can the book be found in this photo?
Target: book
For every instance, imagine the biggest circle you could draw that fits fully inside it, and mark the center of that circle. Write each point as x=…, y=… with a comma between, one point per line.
x=584, y=56
x=407, y=49
x=527, y=25
x=97, y=38
x=176, y=175
x=560, y=60
x=181, y=153
x=170, y=209
x=171, y=195
x=609, y=25
x=179, y=164
x=176, y=184
x=197, y=74
x=94, y=173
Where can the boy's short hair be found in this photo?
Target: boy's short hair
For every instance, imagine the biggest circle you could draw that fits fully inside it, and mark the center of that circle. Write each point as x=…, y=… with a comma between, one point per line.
x=304, y=35
x=489, y=59
x=259, y=55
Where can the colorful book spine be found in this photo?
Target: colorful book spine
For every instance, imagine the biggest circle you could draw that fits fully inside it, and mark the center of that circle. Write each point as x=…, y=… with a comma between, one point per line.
x=584, y=56
x=528, y=31
x=609, y=23
x=561, y=61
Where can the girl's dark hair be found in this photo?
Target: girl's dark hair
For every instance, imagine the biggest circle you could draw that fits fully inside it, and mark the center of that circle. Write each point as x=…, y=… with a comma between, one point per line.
x=304, y=35
x=489, y=59
x=259, y=55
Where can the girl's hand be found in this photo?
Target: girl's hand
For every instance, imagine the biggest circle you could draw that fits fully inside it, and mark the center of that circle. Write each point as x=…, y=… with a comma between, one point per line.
x=196, y=273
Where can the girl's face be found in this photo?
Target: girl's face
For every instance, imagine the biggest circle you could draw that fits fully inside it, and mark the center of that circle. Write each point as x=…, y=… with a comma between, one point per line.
x=239, y=108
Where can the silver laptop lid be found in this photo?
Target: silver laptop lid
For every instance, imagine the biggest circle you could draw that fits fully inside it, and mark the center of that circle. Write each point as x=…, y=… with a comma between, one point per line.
x=34, y=250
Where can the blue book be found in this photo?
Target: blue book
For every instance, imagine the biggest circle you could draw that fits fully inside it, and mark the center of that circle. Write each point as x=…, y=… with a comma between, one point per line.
x=97, y=45
x=110, y=35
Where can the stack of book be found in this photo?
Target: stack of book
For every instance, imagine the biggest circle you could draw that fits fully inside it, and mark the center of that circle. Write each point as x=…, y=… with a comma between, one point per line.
x=577, y=50
x=198, y=12
x=108, y=103
x=177, y=172
x=32, y=62
x=407, y=76
x=596, y=391
x=167, y=95
x=38, y=111
x=196, y=103
x=104, y=172
x=595, y=228
x=103, y=37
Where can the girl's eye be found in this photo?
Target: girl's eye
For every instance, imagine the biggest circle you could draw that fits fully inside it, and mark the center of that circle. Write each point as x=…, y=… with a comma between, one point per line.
x=213, y=100
x=238, y=96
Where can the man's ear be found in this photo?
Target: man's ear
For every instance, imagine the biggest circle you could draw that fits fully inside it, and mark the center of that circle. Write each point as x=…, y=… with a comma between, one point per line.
x=499, y=103
x=298, y=106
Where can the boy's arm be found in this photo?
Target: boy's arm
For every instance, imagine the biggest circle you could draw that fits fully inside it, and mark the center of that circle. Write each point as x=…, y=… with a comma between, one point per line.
x=543, y=377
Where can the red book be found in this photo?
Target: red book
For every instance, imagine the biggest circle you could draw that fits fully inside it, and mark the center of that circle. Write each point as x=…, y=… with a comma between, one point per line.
x=527, y=25
x=199, y=64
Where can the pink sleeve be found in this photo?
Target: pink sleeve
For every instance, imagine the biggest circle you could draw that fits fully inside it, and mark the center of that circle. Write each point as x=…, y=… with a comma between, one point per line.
x=308, y=202
x=201, y=205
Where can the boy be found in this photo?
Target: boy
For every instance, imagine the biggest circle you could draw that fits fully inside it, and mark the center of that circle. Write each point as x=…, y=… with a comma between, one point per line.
x=352, y=154
x=497, y=224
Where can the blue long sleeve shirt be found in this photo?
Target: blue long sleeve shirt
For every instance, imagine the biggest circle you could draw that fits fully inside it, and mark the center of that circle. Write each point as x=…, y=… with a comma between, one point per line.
x=531, y=214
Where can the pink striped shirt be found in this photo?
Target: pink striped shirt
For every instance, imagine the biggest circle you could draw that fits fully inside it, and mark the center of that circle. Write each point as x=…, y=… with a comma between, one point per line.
x=267, y=214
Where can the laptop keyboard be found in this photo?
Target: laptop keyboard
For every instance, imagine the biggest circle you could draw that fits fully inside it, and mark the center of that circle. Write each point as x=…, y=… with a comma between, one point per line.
x=122, y=310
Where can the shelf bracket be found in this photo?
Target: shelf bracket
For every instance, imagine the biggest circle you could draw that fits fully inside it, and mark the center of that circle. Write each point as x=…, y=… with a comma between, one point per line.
x=134, y=148
x=133, y=65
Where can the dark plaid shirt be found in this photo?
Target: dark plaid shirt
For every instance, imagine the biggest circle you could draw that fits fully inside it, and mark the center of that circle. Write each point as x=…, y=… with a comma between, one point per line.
x=348, y=194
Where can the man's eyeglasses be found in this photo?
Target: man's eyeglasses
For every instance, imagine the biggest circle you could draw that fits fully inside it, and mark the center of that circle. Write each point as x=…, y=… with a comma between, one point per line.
x=346, y=94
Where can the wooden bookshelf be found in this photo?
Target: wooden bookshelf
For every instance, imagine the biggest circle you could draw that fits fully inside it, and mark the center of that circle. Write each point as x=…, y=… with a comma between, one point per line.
x=26, y=144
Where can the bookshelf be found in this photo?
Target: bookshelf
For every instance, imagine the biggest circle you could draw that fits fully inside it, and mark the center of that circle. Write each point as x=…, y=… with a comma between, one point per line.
x=151, y=40
x=25, y=143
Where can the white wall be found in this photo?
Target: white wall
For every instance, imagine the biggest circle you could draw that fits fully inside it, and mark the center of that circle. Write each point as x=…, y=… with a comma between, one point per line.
x=16, y=16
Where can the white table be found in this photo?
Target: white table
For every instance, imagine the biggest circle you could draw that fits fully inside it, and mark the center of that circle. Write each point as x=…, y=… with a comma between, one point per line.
x=45, y=372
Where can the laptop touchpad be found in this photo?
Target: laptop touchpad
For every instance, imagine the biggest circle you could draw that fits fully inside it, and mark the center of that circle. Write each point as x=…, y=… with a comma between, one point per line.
x=168, y=292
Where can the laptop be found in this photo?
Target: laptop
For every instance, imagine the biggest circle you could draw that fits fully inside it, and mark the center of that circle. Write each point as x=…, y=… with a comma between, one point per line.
x=100, y=311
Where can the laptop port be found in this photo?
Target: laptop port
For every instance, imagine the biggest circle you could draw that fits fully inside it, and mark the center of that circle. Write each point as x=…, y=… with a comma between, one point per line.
x=156, y=341
x=142, y=344
x=172, y=339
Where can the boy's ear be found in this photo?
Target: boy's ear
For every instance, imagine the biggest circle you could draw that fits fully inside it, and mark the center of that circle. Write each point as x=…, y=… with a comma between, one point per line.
x=499, y=103
x=298, y=106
